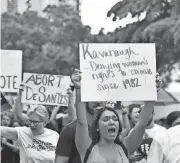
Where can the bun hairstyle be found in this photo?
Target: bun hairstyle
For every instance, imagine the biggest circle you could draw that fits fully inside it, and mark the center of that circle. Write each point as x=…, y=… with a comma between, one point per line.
x=41, y=111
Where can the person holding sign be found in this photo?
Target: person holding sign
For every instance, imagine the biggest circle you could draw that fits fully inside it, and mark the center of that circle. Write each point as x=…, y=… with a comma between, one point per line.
x=105, y=145
x=37, y=144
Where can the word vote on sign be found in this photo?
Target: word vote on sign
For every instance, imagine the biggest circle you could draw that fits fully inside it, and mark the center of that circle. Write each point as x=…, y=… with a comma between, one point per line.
x=118, y=72
x=11, y=70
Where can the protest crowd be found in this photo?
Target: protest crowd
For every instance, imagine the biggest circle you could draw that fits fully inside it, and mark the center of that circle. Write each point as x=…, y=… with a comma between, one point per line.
x=76, y=92
x=91, y=132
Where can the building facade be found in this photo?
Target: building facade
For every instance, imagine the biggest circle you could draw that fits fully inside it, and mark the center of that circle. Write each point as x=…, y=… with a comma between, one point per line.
x=13, y=6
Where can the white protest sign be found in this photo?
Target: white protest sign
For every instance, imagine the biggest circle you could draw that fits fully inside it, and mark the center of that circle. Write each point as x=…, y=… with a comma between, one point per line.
x=118, y=72
x=45, y=89
x=11, y=70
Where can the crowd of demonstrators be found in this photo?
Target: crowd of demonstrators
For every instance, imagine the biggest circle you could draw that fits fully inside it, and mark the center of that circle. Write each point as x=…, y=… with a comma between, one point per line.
x=27, y=134
x=36, y=143
x=104, y=144
x=66, y=151
x=87, y=132
x=57, y=115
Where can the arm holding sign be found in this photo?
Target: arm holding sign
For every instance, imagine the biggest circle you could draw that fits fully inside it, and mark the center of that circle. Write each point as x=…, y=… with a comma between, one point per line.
x=71, y=114
x=126, y=123
x=71, y=109
x=133, y=140
x=54, y=113
x=82, y=138
x=18, y=107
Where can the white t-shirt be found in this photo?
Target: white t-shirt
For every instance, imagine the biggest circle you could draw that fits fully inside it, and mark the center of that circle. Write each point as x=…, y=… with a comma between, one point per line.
x=155, y=131
x=37, y=149
x=150, y=133
x=166, y=149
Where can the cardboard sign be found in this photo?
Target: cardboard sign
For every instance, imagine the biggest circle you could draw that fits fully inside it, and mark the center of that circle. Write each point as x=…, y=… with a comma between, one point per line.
x=11, y=70
x=118, y=72
x=45, y=89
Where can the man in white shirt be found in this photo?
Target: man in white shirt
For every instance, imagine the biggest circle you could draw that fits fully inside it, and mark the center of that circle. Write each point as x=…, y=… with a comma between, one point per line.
x=166, y=148
x=152, y=132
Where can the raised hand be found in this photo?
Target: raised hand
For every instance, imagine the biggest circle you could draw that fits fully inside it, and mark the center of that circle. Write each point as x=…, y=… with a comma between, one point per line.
x=76, y=78
x=124, y=110
x=21, y=88
x=159, y=83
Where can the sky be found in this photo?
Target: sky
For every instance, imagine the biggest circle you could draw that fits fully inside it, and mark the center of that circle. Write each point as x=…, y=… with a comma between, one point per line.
x=94, y=14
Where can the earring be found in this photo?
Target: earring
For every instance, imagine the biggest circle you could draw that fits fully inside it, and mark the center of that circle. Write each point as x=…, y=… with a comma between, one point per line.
x=97, y=130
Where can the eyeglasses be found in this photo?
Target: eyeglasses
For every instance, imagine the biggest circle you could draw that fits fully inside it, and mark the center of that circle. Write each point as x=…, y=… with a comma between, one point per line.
x=29, y=121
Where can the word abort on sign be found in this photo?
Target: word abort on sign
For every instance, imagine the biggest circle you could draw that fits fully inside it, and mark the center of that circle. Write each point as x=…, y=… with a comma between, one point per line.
x=118, y=72
x=11, y=70
x=45, y=89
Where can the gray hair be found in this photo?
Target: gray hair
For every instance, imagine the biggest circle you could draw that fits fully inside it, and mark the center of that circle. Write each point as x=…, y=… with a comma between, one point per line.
x=41, y=111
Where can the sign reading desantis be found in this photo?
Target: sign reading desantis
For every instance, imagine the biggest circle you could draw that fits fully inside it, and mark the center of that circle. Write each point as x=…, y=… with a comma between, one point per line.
x=45, y=89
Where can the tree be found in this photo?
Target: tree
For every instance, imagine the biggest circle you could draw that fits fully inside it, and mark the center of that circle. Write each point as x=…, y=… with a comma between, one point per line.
x=50, y=44
x=160, y=26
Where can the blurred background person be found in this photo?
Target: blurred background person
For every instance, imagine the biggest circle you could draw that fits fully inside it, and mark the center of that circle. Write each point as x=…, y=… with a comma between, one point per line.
x=134, y=111
x=7, y=146
x=151, y=133
x=166, y=148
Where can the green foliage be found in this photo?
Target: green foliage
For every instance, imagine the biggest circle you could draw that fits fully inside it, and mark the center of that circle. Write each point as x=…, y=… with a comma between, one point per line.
x=160, y=25
x=49, y=45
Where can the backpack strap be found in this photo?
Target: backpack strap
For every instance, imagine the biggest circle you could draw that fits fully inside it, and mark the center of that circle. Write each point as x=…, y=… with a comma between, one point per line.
x=88, y=151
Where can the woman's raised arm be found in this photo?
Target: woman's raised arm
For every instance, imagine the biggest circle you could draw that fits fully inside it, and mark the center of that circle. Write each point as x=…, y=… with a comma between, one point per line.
x=82, y=138
x=134, y=139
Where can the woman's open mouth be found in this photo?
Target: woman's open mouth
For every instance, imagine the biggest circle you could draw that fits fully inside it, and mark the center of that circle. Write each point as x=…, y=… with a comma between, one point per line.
x=112, y=131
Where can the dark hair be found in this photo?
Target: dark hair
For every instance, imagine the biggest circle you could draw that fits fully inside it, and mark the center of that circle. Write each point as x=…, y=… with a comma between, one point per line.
x=132, y=106
x=95, y=134
x=172, y=117
x=91, y=110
